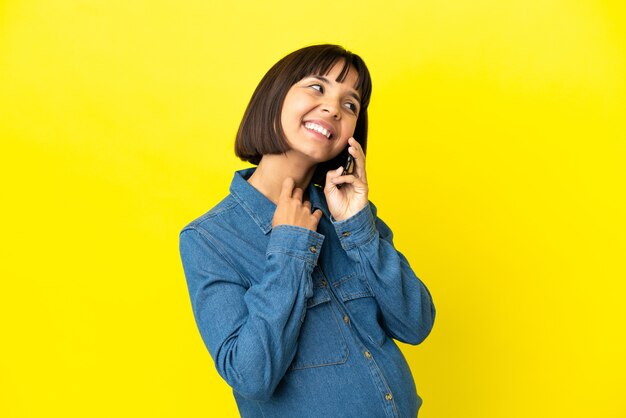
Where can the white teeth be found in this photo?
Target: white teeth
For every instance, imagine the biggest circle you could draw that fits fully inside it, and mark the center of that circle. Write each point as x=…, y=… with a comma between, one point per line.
x=316, y=127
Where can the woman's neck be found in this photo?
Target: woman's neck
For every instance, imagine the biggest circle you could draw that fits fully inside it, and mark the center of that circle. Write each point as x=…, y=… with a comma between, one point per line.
x=274, y=169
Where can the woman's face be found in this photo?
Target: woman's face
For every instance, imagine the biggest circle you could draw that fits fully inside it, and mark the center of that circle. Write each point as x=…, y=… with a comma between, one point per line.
x=319, y=115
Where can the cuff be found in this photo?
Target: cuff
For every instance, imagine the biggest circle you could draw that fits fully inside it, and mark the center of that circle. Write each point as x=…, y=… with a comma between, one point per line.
x=296, y=241
x=357, y=230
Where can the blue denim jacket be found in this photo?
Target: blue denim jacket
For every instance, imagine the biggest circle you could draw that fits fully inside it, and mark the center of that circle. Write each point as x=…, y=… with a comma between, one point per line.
x=300, y=323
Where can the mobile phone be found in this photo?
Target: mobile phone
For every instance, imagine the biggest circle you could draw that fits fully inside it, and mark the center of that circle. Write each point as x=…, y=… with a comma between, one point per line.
x=348, y=168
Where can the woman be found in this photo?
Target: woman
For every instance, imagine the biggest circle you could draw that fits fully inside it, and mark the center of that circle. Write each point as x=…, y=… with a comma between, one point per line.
x=295, y=284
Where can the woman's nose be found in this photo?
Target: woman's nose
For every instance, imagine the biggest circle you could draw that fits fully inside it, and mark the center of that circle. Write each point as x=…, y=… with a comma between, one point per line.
x=332, y=108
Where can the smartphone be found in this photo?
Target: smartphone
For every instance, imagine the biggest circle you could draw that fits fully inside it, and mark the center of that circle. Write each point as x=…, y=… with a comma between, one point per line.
x=348, y=168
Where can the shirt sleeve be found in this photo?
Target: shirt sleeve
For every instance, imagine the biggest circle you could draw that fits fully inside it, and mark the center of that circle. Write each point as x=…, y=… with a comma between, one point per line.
x=405, y=302
x=251, y=331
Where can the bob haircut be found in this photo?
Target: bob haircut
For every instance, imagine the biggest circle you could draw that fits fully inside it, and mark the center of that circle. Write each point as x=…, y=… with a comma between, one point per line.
x=261, y=131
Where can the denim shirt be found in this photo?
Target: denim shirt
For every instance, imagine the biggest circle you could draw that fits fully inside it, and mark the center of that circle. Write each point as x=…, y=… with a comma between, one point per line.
x=301, y=323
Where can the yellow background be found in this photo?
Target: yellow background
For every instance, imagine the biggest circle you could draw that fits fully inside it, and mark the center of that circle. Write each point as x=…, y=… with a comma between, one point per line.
x=497, y=156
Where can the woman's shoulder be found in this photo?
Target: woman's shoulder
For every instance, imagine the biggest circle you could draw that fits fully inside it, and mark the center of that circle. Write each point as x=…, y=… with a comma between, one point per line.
x=217, y=215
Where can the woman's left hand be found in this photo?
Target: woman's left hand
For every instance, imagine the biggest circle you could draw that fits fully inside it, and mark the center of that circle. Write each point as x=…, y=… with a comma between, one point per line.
x=352, y=196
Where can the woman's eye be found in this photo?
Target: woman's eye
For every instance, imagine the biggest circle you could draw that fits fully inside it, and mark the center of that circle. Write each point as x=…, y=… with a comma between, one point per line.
x=352, y=106
x=318, y=87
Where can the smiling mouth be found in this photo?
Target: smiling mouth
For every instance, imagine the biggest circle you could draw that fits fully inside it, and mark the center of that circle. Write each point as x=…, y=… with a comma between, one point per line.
x=319, y=129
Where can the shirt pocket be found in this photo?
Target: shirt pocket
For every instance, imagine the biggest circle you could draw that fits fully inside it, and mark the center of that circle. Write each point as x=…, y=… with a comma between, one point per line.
x=321, y=342
x=362, y=307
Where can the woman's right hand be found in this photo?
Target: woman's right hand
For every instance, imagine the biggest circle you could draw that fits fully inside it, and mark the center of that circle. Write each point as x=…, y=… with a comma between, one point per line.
x=290, y=210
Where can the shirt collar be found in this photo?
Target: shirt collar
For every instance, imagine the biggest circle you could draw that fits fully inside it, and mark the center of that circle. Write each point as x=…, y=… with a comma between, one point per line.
x=259, y=207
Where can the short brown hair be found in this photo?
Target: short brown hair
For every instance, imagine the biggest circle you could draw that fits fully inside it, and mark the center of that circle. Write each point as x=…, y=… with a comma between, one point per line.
x=261, y=132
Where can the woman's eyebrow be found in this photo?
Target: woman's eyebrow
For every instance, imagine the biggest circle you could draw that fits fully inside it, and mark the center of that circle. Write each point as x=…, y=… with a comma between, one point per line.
x=325, y=80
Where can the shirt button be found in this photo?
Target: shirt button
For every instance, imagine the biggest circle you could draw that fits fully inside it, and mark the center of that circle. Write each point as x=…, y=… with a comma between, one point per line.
x=346, y=319
x=323, y=282
x=388, y=396
x=313, y=249
x=346, y=233
x=368, y=354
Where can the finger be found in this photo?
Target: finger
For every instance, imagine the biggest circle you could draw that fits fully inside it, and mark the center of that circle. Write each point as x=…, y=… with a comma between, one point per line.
x=333, y=173
x=349, y=179
x=317, y=214
x=354, y=143
x=297, y=194
x=356, y=151
x=330, y=175
x=359, y=162
x=287, y=187
x=307, y=205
